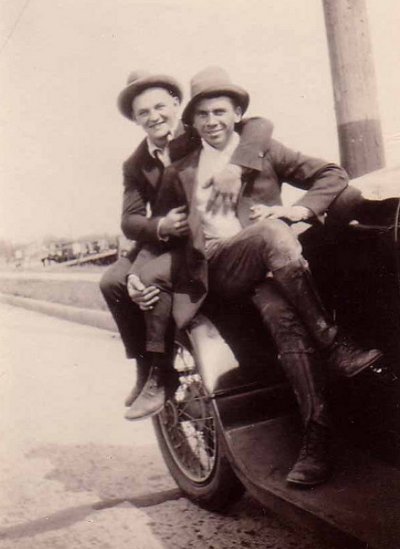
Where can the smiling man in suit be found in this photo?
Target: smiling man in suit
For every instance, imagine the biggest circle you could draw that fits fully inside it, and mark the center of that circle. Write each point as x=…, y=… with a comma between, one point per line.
x=152, y=101
x=250, y=249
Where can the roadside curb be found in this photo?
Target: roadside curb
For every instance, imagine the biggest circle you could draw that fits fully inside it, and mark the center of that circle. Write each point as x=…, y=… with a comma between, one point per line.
x=90, y=317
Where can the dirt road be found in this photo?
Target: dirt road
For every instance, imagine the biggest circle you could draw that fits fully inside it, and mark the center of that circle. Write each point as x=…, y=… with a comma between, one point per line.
x=74, y=474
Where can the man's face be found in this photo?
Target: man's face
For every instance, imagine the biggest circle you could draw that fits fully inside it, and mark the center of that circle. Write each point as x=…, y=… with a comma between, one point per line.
x=215, y=118
x=156, y=111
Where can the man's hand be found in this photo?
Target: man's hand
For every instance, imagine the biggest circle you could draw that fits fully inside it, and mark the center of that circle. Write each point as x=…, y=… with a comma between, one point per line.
x=291, y=213
x=175, y=223
x=226, y=187
x=144, y=297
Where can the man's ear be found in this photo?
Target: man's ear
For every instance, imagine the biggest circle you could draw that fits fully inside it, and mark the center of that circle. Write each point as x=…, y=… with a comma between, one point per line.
x=238, y=114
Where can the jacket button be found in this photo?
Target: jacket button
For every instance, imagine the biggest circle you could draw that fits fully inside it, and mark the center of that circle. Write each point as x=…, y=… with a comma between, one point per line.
x=261, y=154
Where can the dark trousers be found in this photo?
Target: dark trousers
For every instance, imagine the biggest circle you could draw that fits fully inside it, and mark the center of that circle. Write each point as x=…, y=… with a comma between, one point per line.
x=158, y=272
x=141, y=331
x=236, y=266
x=127, y=315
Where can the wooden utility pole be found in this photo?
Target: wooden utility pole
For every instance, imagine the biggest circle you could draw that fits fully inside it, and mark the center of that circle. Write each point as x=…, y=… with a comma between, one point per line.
x=354, y=86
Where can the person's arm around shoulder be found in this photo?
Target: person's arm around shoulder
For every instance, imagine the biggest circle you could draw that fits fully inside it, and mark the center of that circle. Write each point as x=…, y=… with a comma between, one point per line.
x=255, y=137
x=322, y=180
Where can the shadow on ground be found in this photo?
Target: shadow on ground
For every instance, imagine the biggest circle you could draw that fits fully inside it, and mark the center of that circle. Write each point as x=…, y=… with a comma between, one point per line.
x=121, y=477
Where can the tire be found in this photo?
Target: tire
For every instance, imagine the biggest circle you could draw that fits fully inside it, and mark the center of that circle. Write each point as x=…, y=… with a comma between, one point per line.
x=190, y=442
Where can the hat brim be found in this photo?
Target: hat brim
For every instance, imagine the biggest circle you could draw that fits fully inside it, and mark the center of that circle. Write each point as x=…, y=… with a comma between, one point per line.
x=128, y=94
x=236, y=92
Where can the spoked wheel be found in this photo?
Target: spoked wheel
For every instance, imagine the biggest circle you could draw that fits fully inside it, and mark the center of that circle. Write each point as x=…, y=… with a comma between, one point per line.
x=191, y=445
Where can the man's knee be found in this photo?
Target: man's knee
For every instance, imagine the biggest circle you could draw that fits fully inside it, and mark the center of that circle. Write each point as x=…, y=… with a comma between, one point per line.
x=283, y=245
x=113, y=280
x=157, y=272
x=277, y=232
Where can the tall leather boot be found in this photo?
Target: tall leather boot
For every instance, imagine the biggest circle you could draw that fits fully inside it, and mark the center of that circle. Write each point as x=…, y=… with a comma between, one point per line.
x=142, y=374
x=299, y=361
x=313, y=464
x=344, y=357
x=152, y=398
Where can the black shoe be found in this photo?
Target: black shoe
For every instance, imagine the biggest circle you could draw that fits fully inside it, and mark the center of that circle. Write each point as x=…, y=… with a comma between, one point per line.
x=152, y=398
x=312, y=466
x=348, y=360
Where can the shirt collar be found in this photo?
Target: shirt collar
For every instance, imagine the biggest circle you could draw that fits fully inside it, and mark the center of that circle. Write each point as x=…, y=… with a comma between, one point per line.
x=227, y=151
x=152, y=147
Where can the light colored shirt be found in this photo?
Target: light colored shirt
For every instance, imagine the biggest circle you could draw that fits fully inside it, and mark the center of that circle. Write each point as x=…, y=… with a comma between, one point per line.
x=162, y=153
x=221, y=224
x=157, y=152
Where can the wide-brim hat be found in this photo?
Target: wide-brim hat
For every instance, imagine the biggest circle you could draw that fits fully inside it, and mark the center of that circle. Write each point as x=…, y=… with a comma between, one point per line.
x=138, y=81
x=210, y=82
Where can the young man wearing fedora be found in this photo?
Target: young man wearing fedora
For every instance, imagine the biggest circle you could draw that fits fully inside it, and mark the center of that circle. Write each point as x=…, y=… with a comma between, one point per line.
x=152, y=101
x=251, y=250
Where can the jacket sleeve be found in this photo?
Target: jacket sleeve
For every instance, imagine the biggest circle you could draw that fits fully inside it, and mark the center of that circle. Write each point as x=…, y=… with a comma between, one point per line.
x=170, y=196
x=255, y=140
x=135, y=223
x=323, y=181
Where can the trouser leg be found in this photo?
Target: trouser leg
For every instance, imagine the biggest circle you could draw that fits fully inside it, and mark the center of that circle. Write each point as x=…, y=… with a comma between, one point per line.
x=158, y=272
x=129, y=320
x=239, y=263
x=127, y=315
x=163, y=379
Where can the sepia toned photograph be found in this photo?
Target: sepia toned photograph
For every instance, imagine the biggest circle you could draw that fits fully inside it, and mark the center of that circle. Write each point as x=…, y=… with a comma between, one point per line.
x=199, y=274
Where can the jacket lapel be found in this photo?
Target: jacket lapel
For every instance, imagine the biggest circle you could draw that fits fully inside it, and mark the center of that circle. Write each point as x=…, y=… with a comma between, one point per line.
x=153, y=173
x=188, y=175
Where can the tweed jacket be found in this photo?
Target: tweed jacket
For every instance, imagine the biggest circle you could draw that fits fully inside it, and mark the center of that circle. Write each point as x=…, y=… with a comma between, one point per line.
x=262, y=184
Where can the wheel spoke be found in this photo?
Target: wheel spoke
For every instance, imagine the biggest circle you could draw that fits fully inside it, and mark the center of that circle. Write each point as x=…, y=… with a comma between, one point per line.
x=188, y=423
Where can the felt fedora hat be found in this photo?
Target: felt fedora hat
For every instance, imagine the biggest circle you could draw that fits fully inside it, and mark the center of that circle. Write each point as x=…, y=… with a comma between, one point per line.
x=210, y=82
x=139, y=81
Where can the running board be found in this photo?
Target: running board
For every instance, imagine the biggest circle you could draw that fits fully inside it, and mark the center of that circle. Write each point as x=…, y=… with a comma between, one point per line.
x=358, y=507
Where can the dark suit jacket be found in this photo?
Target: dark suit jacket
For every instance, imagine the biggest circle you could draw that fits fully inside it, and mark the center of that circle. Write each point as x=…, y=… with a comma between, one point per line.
x=142, y=174
x=262, y=185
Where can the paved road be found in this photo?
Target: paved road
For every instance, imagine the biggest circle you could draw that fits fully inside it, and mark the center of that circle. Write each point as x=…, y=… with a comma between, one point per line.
x=74, y=474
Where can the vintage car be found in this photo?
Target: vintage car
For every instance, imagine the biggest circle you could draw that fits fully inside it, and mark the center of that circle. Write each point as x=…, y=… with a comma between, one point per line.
x=233, y=424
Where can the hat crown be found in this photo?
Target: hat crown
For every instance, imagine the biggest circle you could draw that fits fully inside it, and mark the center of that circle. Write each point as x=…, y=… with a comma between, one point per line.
x=209, y=78
x=136, y=75
x=213, y=81
x=140, y=80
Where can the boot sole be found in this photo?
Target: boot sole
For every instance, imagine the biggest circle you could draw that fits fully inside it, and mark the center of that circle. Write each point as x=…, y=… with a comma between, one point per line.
x=373, y=360
x=150, y=414
x=305, y=484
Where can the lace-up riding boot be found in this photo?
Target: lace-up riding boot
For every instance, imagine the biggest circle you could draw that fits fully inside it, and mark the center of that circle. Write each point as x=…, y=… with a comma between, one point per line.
x=303, y=371
x=306, y=377
x=152, y=398
x=313, y=465
x=142, y=374
x=344, y=357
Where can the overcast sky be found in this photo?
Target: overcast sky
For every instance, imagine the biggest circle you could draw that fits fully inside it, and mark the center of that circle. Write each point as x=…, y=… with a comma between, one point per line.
x=63, y=63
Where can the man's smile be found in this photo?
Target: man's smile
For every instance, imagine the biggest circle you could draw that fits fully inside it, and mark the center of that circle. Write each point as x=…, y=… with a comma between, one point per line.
x=157, y=124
